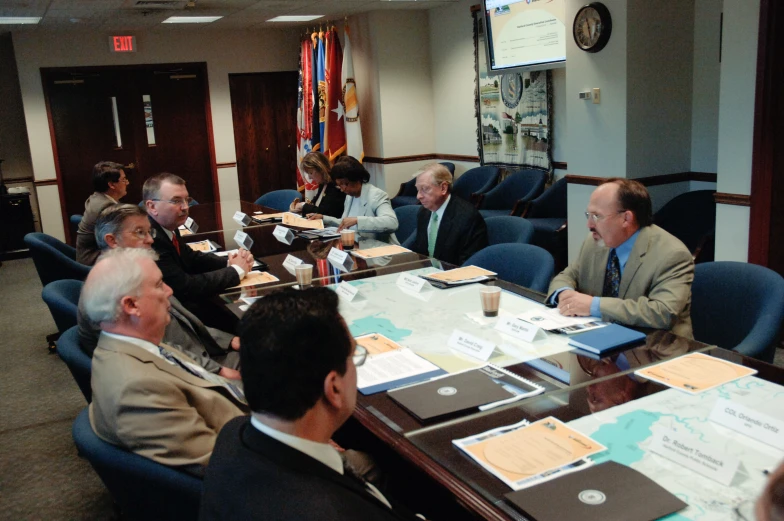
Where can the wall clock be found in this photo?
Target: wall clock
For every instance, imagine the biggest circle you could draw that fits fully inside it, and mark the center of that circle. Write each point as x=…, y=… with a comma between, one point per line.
x=592, y=27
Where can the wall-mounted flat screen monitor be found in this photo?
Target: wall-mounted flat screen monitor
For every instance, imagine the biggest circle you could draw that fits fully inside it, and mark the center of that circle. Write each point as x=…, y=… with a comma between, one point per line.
x=524, y=34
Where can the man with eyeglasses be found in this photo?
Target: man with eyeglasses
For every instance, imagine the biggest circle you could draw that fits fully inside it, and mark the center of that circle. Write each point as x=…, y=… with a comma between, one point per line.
x=127, y=226
x=300, y=379
x=194, y=276
x=110, y=185
x=629, y=270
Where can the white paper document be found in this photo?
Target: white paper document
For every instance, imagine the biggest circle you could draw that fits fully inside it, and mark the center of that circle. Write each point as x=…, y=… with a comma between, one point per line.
x=392, y=369
x=551, y=319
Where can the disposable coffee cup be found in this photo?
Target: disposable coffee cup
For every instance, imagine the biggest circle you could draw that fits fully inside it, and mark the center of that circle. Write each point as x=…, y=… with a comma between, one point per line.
x=304, y=273
x=490, y=297
x=347, y=239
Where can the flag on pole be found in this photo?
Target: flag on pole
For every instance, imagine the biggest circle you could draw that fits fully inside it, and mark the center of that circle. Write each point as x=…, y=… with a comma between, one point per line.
x=304, y=112
x=322, y=88
x=354, y=145
x=315, y=128
x=334, y=132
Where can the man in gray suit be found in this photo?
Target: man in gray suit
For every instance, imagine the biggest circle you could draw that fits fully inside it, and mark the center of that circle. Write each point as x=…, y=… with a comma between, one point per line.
x=629, y=270
x=110, y=185
x=127, y=226
x=147, y=397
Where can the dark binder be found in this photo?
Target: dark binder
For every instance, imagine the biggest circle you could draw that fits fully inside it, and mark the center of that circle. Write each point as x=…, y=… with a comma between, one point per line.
x=462, y=391
x=608, y=491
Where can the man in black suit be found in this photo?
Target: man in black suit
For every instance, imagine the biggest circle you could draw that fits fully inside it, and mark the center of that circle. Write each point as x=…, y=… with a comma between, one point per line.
x=193, y=276
x=300, y=379
x=448, y=228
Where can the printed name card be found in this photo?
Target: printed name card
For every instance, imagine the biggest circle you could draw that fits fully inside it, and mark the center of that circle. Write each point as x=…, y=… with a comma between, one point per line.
x=243, y=240
x=471, y=345
x=412, y=282
x=746, y=420
x=291, y=262
x=340, y=260
x=347, y=291
x=241, y=218
x=191, y=225
x=694, y=454
x=283, y=234
x=517, y=328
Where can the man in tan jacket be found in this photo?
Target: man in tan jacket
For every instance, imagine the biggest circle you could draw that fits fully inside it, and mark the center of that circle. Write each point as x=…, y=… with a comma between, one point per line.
x=147, y=397
x=629, y=270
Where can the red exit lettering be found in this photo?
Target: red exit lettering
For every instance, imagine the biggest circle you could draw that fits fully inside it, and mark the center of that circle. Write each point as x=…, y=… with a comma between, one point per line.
x=123, y=43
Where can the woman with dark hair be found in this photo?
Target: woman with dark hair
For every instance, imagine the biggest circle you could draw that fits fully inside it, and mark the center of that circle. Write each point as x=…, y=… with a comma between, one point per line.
x=366, y=209
x=329, y=199
x=110, y=185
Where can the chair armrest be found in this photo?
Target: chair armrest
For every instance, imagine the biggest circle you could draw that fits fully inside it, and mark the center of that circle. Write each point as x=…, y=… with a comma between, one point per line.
x=526, y=208
x=477, y=199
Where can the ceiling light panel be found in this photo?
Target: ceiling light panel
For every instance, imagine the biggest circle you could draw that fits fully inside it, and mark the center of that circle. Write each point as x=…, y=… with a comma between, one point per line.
x=191, y=19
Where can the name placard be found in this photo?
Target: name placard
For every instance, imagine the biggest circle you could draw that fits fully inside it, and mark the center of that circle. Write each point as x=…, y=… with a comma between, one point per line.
x=517, y=328
x=291, y=262
x=241, y=218
x=340, y=260
x=347, y=291
x=243, y=240
x=471, y=345
x=694, y=454
x=283, y=234
x=191, y=225
x=746, y=420
x=412, y=282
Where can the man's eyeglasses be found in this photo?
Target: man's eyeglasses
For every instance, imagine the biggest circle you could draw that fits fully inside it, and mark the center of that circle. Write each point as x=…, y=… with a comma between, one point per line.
x=176, y=202
x=360, y=355
x=142, y=234
x=595, y=217
x=124, y=180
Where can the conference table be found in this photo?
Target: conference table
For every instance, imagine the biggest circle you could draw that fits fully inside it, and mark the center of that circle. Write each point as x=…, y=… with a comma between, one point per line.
x=598, y=396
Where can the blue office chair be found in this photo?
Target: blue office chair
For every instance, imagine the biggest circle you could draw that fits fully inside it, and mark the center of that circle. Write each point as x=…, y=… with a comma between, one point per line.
x=522, y=264
x=513, y=193
x=691, y=217
x=74, y=221
x=62, y=298
x=407, y=224
x=142, y=488
x=504, y=229
x=547, y=214
x=475, y=182
x=76, y=360
x=279, y=199
x=53, y=259
x=406, y=195
x=449, y=166
x=738, y=306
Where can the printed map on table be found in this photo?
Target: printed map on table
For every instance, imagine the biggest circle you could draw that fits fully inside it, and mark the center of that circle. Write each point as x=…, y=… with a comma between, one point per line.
x=627, y=430
x=424, y=321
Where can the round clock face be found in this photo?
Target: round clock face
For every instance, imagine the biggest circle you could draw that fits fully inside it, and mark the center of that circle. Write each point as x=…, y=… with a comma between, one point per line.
x=592, y=27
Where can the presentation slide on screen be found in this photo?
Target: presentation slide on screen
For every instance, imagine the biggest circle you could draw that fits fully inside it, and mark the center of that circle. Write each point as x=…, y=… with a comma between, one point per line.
x=526, y=32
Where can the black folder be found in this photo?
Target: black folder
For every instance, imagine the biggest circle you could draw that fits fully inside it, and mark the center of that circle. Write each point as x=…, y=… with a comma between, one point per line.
x=607, y=492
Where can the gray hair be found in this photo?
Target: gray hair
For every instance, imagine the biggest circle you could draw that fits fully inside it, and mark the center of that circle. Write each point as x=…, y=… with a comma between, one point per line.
x=438, y=174
x=111, y=221
x=152, y=186
x=104, y=289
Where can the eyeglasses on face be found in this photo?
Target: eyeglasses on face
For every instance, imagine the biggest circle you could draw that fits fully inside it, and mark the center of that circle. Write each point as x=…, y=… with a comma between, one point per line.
x=124, y=180
x=360, y=355
x=595, y=217
x=177, y=201
x=142, y=234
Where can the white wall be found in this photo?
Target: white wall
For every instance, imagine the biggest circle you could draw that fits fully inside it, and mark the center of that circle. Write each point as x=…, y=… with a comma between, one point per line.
x=224, y=51
x=705, y=85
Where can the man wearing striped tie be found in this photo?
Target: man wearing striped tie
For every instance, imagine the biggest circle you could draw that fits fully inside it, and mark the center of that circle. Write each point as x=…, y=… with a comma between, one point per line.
x=629, y=270
x=448, y=228
x=148, y=397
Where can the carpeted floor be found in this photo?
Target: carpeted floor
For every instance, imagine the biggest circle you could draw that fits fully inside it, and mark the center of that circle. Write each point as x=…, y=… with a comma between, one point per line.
x=41, y=475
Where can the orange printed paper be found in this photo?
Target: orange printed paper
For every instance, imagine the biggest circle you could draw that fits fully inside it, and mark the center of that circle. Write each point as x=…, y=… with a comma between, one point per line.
x=256, y=278
x=289, y=219
x=695, y=372
x=376, y=343
x=461, y=274
x=381, y=251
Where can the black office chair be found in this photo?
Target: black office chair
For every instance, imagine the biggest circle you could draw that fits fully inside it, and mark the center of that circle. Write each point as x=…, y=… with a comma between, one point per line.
x=142, y=488
x=513, y=193
x=279, y=199
x=691, y=217
x=522, y=264
x=62, y=298
x=80, y=365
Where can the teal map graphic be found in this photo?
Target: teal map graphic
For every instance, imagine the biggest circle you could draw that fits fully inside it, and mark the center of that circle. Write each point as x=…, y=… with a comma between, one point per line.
x=627, y=430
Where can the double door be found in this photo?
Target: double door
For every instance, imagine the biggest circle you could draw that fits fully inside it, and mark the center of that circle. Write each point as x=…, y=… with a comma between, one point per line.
x=152, y=118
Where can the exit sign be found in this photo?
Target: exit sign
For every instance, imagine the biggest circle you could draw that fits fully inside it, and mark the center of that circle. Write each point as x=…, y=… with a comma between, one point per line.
x=122, y=43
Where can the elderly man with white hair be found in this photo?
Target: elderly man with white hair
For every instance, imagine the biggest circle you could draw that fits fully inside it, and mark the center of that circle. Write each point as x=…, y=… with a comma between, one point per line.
x=147, y=397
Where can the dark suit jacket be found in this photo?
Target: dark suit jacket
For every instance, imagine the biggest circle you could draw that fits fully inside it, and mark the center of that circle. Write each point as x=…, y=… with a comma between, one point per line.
x=462, y=232
x=253, y=476
x=331, y=204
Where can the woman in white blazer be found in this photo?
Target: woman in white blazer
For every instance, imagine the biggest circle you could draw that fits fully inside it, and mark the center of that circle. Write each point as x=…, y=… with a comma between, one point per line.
x=366, y=209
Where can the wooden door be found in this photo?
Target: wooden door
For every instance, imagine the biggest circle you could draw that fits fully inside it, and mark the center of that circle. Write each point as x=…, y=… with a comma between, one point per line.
x=79, y=101
x=264, y=112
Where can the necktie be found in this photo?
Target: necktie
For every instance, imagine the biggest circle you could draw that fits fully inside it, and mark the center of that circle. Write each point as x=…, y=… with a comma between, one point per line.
x=432, y=234
x=176, y=243
x=209, y=377
x=612, y=277
x=349, y=472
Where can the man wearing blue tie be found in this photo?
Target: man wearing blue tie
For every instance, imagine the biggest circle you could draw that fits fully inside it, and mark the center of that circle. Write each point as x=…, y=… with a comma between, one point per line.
x=629, y=270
